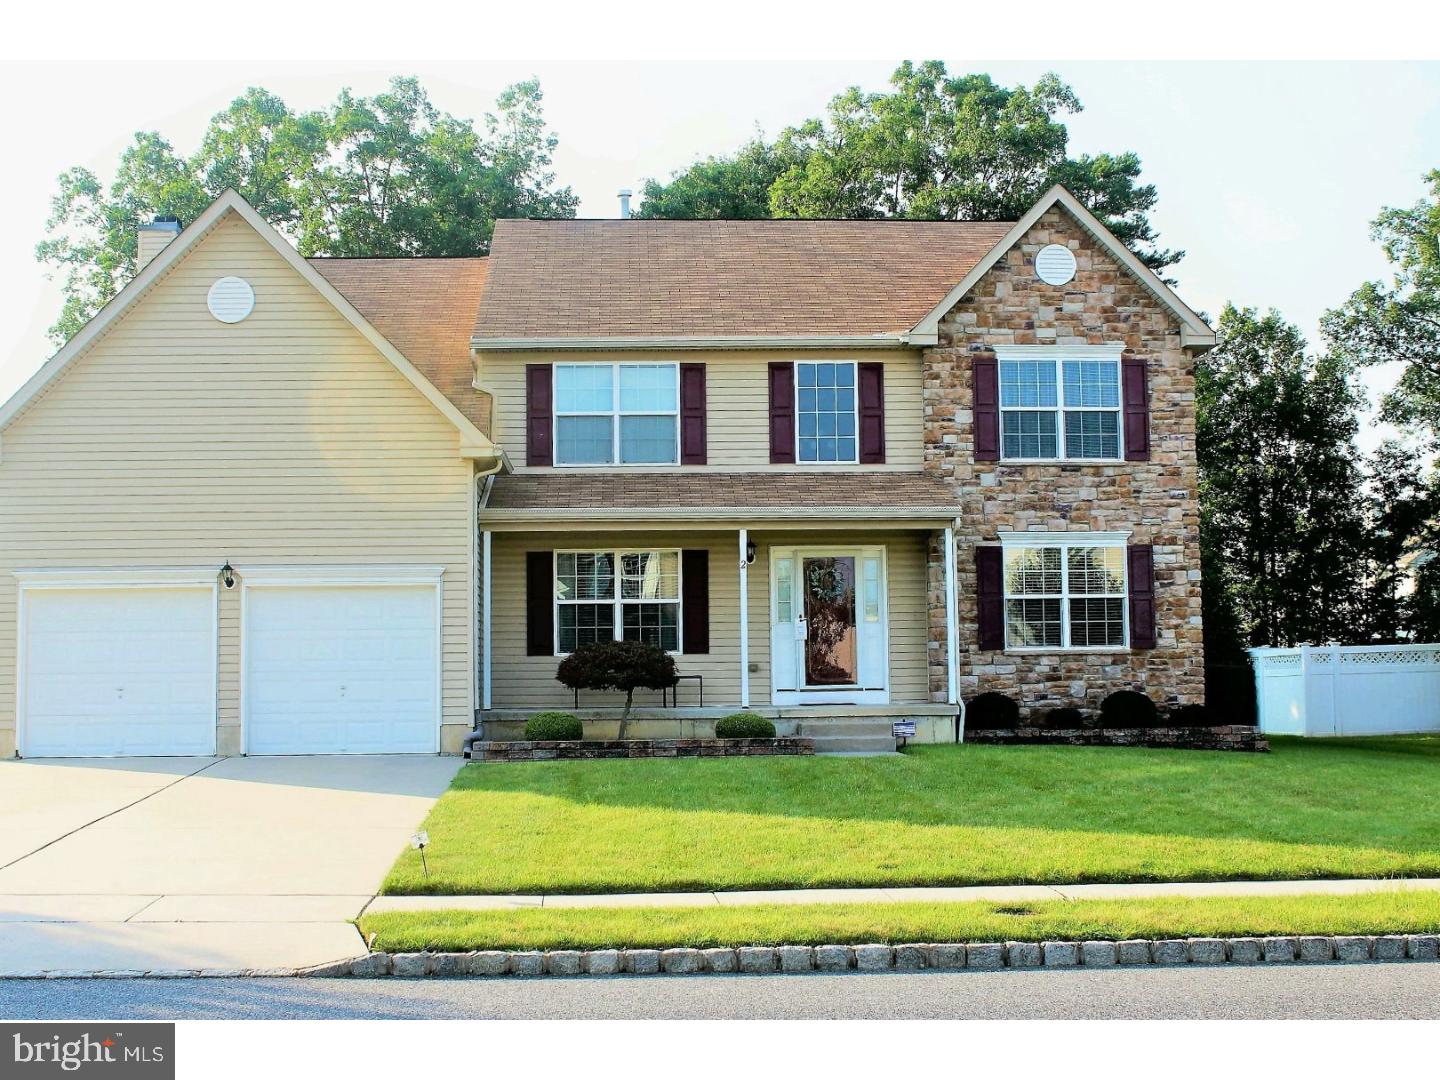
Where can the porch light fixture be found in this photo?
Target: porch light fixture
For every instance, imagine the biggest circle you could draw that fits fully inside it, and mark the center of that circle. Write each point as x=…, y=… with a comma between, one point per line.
x=749, y=552
x=227, y=575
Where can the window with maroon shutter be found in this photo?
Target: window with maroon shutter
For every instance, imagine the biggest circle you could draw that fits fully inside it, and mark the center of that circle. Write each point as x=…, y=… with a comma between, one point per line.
x=1137, y=408
x=872, y=414
x=985, y=407
x=990, y=593
x=695, y=600
x=539, y=604
x=539, y=436
x=1142, y=596
x=692, y=414
x=782, y=413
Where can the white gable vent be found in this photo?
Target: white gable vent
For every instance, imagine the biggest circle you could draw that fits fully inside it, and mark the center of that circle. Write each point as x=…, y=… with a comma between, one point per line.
x=231, y=299
x=1055, y=264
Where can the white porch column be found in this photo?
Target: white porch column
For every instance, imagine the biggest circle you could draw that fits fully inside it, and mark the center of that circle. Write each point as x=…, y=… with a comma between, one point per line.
x=744, y=621
x=485, y=650
x=952, y=643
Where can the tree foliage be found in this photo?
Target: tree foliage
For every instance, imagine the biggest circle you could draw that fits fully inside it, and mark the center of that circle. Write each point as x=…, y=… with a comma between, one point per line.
x=1399, y=322
x=932, y=147
x=618, y=665
x=1282, y=509
x=388, y=175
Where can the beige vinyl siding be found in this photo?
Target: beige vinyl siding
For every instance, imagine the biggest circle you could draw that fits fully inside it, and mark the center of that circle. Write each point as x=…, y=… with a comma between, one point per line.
x=737, y=391
x=283, y=439
x=521, y=682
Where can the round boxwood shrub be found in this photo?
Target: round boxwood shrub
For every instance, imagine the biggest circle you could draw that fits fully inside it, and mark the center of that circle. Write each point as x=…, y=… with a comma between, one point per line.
x=991, y=712
x=744, y=725
x=551, y=726
x=1064, y=717
x=1128, y=709
x=1196, y=716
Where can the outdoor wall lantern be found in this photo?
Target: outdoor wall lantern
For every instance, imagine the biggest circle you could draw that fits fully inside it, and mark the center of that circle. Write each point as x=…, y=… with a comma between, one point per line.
x=749, y=552
x=227, y=575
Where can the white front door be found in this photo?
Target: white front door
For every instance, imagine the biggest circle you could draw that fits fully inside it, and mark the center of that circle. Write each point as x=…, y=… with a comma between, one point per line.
x=341, y=669
x=829, y=627
x=118, y=672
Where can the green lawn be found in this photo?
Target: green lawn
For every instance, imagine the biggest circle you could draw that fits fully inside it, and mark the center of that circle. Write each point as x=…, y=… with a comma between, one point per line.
x=818, y=924
x=941, y=815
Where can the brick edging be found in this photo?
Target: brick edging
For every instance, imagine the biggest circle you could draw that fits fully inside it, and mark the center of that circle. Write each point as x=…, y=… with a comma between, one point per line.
x=986, y=956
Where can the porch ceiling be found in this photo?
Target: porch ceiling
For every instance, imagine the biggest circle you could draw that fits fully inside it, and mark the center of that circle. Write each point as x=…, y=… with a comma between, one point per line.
x=749, y=499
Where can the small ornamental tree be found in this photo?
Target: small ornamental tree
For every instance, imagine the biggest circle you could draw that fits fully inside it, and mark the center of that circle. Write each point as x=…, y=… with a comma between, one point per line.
x=618, y=665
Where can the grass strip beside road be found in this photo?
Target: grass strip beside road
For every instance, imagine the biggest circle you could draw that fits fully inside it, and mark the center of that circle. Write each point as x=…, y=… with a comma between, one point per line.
x=821, y=924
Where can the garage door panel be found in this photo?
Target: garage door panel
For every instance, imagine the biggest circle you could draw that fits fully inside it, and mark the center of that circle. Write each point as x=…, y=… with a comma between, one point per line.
x=341, y=669
x=119, y=672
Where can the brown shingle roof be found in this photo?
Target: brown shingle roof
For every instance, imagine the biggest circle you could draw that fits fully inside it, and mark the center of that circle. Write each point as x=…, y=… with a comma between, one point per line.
x=723, y=278
x=425, y=308
x=599, y=495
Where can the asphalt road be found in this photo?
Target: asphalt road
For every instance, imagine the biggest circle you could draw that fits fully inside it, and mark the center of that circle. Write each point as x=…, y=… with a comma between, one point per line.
x=1402, y=990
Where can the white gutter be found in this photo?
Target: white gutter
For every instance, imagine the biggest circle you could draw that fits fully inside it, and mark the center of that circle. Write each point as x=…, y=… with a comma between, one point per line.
x=897, y=340
x=599, y=513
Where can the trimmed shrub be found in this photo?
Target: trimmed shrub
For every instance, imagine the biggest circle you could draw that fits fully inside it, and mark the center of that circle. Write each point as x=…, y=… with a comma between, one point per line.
x=1197, y=716
x=618, y=665
x=552, y=726
x=1064, y=717
x=1128, y=709
x=992, y=712
x=744, y=725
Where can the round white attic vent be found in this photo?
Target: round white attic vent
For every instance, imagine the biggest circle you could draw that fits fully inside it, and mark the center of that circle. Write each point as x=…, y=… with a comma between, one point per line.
x=1055, y=264
x=230, y=299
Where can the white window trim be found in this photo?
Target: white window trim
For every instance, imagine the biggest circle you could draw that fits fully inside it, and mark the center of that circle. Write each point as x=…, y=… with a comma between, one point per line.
x=855, y=383
x=614, y=413
x=617, y=602
x=1058, y=354
x=1063, y=541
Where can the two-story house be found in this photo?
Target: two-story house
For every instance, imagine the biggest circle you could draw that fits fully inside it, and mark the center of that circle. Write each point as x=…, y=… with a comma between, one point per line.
x=845, y=471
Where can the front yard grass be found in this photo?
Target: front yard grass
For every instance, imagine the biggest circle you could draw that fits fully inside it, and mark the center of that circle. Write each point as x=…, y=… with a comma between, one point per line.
x=819, y=924
x=937, y=815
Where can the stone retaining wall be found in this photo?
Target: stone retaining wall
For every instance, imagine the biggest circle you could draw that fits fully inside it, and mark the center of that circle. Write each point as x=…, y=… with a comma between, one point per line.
x=522, y=750
x=984, y=956
x=1233, y=737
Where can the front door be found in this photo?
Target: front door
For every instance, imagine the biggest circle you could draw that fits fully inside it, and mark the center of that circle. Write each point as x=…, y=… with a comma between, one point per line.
x=829, y=637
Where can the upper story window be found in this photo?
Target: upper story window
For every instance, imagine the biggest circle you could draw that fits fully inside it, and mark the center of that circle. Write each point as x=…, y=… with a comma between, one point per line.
x=608, y=414
x=1065, y=595
x=825, y=412
x=1060, y=408
x=617, y=596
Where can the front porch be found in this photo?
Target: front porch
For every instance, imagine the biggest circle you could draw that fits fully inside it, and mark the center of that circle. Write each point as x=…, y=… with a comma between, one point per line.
x=834, y=615
x=835, y=728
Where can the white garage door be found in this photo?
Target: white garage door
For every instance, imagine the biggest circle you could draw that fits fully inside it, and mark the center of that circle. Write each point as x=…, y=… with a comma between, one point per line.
x=114, y=672
x=341, y=669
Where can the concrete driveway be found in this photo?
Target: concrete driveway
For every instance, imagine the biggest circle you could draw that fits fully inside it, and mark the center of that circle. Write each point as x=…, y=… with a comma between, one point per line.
x=199, y=864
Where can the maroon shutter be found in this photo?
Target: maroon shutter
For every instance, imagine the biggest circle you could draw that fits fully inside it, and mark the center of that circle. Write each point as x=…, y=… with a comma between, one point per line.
x=695, y=600
x=1142, y=596
x=985, y=408
x=1137, y=408
x=872, y=413
x=782, y=413
x=990, y=589
x=692, y=414
x=538, y=422
x=539, y=604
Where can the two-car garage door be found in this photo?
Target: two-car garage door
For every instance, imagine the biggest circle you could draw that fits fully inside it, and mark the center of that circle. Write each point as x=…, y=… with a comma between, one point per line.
x=324, y=669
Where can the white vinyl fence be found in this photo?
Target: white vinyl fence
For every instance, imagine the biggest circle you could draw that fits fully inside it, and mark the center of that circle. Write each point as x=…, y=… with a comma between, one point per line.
x=1348, y=689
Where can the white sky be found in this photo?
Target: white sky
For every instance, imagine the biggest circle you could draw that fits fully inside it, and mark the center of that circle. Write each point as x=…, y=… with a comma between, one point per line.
x=1268, y=172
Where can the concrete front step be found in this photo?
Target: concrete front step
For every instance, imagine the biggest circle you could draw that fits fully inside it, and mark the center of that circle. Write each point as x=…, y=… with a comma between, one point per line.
x=852, y=744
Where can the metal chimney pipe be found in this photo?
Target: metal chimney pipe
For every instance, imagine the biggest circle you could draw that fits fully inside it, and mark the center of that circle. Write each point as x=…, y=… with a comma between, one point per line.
x=625, y=194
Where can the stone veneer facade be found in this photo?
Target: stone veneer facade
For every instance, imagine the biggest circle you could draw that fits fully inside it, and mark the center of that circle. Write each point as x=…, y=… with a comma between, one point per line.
x=1155, y=500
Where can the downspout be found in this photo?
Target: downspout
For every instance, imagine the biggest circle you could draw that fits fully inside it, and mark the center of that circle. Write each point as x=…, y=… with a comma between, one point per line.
x=484, y=479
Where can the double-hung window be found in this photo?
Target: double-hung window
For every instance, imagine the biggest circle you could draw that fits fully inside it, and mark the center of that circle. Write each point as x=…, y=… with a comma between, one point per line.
x=1065, y=593
x=825, y=412
x=617, y=596
x=617, y=414
x=1058, y=407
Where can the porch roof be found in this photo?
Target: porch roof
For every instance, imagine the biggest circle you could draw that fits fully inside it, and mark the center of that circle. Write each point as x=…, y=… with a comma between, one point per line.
x=717, y=496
